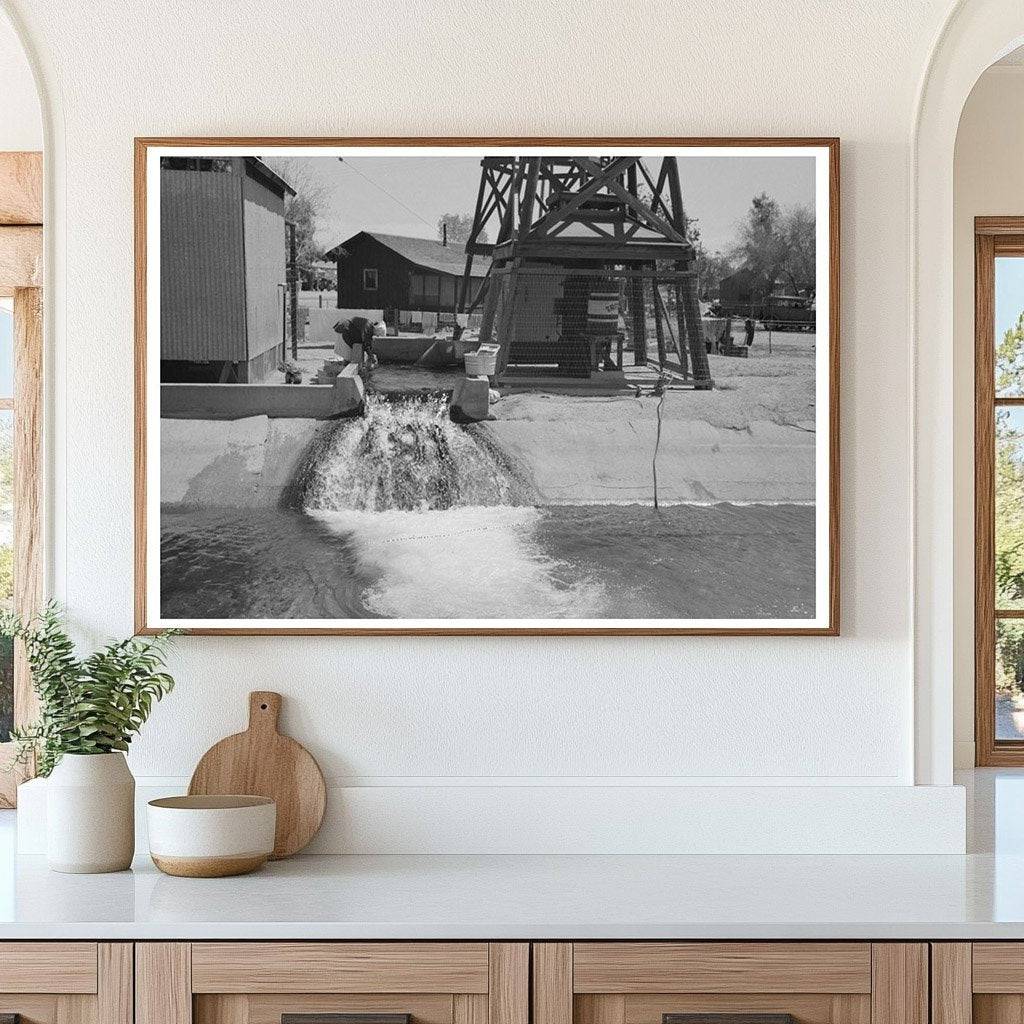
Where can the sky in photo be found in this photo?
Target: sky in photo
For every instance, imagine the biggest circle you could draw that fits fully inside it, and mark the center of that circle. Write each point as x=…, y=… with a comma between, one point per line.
x=407, y=195
x=1009, y=293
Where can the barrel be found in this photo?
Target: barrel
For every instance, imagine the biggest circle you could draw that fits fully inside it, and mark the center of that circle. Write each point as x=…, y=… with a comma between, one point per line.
x=603, y=308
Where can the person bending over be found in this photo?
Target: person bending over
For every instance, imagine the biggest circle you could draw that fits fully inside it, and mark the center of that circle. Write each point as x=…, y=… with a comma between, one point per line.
x=355, y=339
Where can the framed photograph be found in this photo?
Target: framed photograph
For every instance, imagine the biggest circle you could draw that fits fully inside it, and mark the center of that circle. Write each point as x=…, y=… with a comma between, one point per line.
x=487, y=386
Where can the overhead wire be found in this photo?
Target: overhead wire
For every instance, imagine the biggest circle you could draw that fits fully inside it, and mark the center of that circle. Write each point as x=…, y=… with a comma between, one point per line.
x=390, y=195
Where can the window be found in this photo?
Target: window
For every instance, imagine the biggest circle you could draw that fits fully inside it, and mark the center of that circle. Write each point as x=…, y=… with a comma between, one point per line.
x=369, y=279
x=6, y=511
x=20, y=493
x=999, y=490
x=21, y=374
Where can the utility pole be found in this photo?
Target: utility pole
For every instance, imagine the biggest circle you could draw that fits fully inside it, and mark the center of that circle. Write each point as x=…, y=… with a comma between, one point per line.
x=293, y=286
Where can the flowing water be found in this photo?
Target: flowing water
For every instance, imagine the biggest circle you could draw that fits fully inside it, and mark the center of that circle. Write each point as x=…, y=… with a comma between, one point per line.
x=404, y=455
x=405, y=515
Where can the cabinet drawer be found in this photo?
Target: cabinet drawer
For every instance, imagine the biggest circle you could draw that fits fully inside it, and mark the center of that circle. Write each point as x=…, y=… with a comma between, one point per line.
x=630, y=967
x=48, y=967
x=736, y=982
x=340, y=967
x=66, y=982
x=262, y=982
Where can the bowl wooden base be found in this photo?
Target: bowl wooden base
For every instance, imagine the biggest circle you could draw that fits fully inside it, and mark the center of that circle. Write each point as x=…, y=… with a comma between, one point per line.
x=210, y=867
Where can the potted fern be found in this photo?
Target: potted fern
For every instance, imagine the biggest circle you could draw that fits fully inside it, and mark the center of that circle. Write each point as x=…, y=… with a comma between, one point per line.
x=89, y=710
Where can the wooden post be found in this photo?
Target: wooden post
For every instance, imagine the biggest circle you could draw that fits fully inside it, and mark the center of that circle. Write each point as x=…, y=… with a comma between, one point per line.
x=498, y=284
x=695, y=332
x=681, y=330
x=659, y=329
x=670, y=170
x=529, y=197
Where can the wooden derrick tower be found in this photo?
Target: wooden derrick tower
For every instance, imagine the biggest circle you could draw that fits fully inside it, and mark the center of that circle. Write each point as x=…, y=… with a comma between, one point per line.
x=576, y=228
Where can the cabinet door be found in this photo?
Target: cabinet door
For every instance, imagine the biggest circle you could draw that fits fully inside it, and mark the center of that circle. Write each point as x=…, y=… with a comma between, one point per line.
x=980, y=982
x=332, y=983
x=66, y=982
x=737, y=982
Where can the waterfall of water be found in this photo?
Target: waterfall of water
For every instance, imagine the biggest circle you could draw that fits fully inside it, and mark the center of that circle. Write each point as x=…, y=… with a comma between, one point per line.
x=404, y=455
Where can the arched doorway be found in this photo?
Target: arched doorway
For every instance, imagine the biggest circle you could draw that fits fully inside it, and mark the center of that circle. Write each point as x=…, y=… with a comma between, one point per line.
x=976, y=33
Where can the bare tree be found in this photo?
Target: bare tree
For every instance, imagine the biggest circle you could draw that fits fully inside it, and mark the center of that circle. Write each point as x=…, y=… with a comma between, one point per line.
x=306, y=209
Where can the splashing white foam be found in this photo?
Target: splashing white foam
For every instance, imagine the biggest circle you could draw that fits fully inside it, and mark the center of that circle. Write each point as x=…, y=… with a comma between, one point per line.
x=404, y=455
x=478, y=563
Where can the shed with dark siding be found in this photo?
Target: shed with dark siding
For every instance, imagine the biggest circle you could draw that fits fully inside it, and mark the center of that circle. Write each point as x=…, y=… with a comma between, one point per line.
x=222, y=259
x=399, y=272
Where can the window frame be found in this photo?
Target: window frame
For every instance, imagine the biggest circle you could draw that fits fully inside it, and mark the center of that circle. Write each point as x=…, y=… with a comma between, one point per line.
x=376, y=279
x=993, y=237
x=21, y=257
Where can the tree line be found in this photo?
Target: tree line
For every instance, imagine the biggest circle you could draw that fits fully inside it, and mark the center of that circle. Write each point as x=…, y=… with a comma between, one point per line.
x=773, y=243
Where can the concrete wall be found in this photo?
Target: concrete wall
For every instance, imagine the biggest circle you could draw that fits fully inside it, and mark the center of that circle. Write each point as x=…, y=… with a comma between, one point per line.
x=988, y=181
x=285, y=401
x=413, y=726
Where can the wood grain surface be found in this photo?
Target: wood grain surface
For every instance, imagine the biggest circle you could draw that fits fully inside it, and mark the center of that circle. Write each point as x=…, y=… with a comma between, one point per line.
x=758, y=967
x=364, y=967
x=262, y=762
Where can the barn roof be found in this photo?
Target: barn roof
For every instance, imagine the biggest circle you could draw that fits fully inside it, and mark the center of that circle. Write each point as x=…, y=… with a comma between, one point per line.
x=427, y=253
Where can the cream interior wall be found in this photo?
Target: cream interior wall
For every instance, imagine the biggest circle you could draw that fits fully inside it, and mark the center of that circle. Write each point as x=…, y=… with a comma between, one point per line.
x=21, y=124
x=988, y=181
x=439, y=713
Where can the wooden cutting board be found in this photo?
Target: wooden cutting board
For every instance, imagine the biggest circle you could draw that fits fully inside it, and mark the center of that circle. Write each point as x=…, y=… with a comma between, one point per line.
x=262, y=762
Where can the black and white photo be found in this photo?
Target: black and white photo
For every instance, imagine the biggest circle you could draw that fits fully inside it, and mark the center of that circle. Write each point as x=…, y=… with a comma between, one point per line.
x=464, y=387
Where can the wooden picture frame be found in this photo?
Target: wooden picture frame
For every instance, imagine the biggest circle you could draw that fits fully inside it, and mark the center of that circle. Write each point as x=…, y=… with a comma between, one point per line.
x=826, y=620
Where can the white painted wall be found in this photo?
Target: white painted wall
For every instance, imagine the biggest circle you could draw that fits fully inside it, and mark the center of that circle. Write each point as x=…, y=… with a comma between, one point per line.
x=21, y=123
x=988, y=180
x=444, y=713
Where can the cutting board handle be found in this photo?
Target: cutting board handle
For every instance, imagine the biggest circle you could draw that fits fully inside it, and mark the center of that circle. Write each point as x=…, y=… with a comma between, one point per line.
x=264, y=710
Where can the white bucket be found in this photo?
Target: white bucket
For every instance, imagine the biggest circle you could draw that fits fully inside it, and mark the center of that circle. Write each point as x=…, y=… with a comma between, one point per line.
x=483, y=362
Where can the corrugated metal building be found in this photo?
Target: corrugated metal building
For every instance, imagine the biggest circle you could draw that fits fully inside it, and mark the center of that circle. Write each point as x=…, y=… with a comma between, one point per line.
x=222, y=263
x=398, y=272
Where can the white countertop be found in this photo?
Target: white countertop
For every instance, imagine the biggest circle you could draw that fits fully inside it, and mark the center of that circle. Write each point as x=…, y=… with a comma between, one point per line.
x=978, y=896
x=532, y=897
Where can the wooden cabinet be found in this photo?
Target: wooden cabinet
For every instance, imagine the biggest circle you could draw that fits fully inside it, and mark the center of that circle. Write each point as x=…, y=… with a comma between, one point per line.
x=979, y=982
x=260, y=982
x=494, y=983
x=66, y=982
x=647, y=982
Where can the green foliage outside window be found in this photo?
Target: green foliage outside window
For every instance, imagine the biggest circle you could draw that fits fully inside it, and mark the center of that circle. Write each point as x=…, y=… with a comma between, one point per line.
x=1009, y=509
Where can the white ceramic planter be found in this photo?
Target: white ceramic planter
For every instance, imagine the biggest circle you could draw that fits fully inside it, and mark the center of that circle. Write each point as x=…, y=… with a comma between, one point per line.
x=90, y=814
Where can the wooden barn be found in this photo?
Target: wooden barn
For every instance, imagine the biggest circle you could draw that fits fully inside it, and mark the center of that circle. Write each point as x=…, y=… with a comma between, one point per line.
x=222, y=269
x=396, y=273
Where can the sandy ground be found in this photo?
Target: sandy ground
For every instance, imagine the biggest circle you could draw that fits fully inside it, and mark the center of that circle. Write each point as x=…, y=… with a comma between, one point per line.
x=750, y=439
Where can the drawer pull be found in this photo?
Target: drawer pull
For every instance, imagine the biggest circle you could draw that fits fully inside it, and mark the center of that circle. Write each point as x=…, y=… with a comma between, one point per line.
x=728, y=1018
x=340, y=1018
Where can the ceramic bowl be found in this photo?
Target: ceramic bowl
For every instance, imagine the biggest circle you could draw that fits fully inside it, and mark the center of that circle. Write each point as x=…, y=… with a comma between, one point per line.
x=211, y=836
